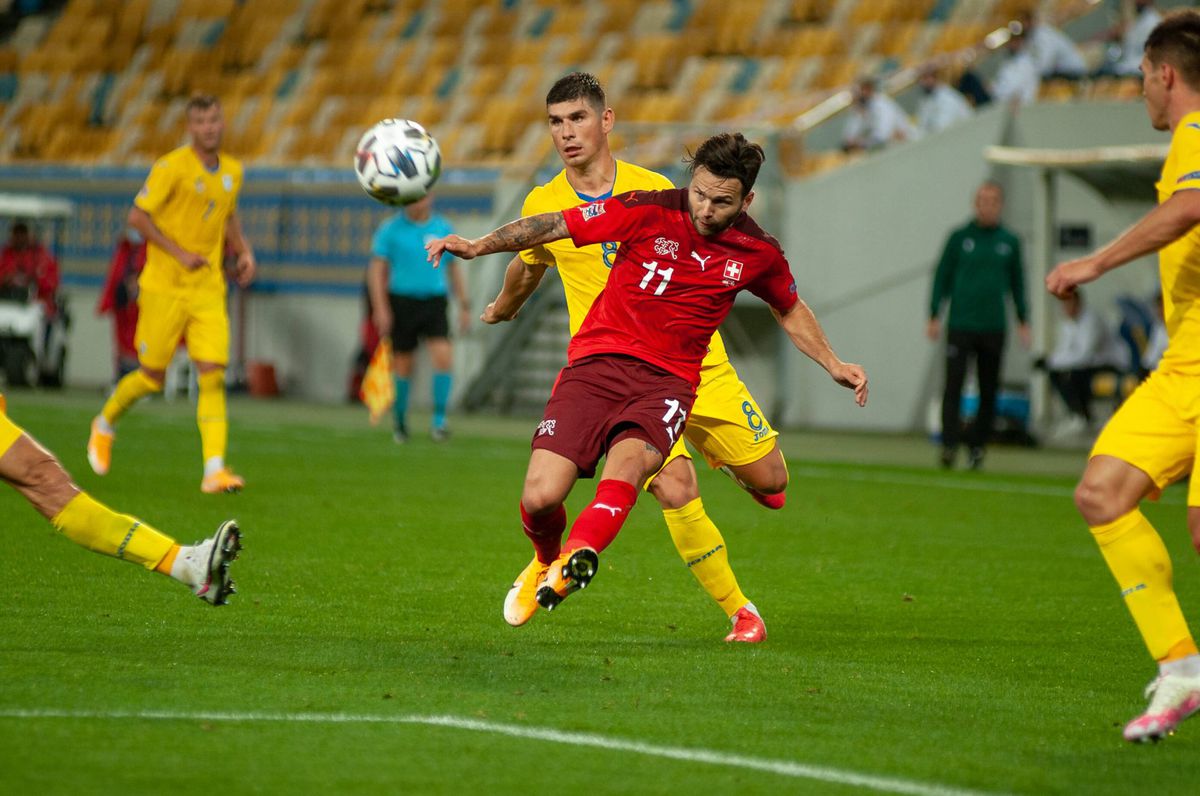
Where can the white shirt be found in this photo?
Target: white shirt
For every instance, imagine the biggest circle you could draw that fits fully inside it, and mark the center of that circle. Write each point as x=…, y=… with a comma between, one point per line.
x=1134, y=42
x=1084, y=342
x=941, y=108
x=880, y=122
x=1017, y=79
x=1054, y=52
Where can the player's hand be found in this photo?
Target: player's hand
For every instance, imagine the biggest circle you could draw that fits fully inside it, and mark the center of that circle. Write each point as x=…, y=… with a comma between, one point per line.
x=190, y=260
x=491, y=315
x=1025, y=335
x=1063, y=280
x=382, y=319
x=458, y=246
x=245, y=269
x=933, y=329
x=852, y=376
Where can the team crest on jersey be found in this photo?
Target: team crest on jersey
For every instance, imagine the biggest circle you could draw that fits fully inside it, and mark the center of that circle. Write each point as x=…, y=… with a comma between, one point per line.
x=593, y=210
x=663, y=247
x=546, y=428
x=227, y=181
x=733, y=271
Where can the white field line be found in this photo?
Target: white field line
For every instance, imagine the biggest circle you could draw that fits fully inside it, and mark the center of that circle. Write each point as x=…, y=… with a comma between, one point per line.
x=783, y=768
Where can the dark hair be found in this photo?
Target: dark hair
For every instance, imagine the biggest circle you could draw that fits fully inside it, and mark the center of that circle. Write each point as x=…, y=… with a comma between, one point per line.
x=729, y=156
x=1176, y=41
x=201, y=102
x=578, y=85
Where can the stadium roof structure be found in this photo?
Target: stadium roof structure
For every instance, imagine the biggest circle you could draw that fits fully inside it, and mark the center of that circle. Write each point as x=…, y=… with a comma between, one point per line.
x=1119, y=173
x=21, y=205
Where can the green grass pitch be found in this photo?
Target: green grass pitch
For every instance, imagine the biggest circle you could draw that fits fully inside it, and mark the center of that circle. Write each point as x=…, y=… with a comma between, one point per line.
x=930, y=633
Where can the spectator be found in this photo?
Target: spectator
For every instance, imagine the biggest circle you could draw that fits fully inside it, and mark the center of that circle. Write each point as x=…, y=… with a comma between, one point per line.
x=1156, y=344
x=1017, y=80
x=408, y=299
x=119, y=298
x=1083, y=348
x=1133, y=37
x=1053, y=52
x=875, y=121
x=27, y=269
x=980, y=264
x=940, y=106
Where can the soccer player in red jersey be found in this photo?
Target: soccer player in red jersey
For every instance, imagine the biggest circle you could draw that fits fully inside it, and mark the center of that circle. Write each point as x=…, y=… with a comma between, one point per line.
x=634, y=365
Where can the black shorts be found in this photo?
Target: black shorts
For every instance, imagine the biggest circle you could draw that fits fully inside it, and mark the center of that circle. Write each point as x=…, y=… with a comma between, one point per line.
x=416, y=319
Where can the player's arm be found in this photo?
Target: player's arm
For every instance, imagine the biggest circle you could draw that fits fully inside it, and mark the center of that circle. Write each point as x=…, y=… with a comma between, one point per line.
x=1165, y=224
x=140, y=220
x=520, y=280
x=377, y=279
x=246, y=266
x=524, y=233
x=809, y=338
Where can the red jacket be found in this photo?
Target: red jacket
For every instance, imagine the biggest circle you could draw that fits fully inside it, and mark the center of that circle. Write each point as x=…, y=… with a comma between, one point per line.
x=31, y=266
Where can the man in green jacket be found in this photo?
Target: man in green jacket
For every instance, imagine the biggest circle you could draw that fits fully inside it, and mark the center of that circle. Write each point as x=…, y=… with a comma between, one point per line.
x=980, y=264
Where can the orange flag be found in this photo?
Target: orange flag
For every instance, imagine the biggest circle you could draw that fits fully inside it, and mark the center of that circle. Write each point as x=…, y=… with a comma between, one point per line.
x=378, y=391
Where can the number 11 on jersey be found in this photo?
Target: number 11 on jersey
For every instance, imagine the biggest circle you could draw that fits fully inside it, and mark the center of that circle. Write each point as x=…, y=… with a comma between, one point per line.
x=652, y=269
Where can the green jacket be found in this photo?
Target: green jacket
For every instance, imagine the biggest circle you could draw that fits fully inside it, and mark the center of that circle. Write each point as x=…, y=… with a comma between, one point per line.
x=978, y=267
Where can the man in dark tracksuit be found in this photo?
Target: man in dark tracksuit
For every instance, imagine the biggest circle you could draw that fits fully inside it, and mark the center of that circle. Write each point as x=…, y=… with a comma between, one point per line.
x=980, y=264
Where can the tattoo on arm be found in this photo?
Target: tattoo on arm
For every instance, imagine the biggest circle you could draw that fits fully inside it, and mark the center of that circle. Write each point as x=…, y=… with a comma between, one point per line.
x=525, y=233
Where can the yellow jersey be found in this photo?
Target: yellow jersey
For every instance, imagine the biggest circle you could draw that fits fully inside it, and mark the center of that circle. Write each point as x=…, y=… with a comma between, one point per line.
x=584, y=271
x=191, y=205
x=1179, y=262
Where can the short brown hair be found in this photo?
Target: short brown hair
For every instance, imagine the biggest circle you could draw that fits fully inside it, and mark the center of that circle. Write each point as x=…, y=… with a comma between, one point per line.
x=1176, y=41
x=201, y=102
x=578, y=85
x=729, y=156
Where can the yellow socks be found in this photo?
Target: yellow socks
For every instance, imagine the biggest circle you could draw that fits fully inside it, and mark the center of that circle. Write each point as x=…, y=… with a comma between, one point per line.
x=130, y=390
x=1139, y=561
x=99, y=528
x=702, y=548
x=211, y=417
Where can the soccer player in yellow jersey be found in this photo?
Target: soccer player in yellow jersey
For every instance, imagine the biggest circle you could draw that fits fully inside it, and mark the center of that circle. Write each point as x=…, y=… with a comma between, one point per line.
x=1151, y=441
x=726, y=423
x=37, y=475
x=185, y=211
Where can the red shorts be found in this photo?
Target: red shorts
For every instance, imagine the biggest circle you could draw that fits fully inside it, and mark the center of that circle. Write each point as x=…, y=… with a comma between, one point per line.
x=603, y=399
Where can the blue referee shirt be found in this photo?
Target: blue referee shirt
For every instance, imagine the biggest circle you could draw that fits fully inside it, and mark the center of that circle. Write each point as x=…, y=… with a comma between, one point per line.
x=402, y=243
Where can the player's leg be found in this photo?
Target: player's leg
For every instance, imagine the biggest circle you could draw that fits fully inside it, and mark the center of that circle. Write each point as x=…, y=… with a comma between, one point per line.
x=956, y=372
x=37, y=475
x=208, y=347
x=989, y=348
x=441, y=355
x=1159, y=447
x=701, y=545
x=160, y=323
x=548, y=481
x=405, y=332
x=436, y=330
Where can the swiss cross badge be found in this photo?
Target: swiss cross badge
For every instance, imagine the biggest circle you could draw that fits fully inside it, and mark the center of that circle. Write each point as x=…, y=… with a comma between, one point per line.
x=733, y=271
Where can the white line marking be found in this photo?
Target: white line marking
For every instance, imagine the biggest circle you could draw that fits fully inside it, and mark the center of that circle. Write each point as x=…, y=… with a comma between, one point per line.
x=784, y=768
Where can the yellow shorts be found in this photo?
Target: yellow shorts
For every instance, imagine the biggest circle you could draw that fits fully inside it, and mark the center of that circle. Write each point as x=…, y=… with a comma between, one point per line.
x=1156, y=430
x=163, y=318
x=726, y=425
x=10, y=432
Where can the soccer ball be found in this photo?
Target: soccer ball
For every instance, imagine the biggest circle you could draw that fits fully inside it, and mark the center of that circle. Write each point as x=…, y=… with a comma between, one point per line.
x=397, y=162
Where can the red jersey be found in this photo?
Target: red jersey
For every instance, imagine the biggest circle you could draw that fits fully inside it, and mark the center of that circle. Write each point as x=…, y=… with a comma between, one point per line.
x=671, y=287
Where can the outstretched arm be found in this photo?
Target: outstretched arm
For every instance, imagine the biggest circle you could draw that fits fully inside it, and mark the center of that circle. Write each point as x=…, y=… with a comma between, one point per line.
x=809, y=338
x=520, y=280
x=1163, y=225
x=524, y=233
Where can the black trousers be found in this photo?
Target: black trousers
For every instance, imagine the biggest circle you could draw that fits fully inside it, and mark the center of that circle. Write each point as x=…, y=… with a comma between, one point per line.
x=1075, y=388
x=986, y=349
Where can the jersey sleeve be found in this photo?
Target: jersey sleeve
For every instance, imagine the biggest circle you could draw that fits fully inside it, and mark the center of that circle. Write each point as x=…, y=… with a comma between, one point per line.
x=538, y=255
x=1189, y=159
x=776, y=285
x=379, y=247
x=158, y=187
x=614, y=219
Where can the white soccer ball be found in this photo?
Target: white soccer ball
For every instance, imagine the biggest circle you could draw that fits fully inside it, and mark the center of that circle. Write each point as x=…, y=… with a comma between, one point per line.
x=397, y=162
